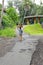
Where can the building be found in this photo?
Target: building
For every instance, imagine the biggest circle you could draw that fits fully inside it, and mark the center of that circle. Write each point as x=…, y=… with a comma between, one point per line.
x=33, y=19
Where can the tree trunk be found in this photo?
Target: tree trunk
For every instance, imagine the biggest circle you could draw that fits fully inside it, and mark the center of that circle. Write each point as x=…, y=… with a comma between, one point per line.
x=2, y=13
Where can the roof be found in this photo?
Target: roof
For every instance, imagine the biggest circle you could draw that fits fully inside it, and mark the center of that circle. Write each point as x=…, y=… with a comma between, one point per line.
x=34, y=16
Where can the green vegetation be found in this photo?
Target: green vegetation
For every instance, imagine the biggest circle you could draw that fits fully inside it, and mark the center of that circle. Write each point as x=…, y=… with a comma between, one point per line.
x=28, y=8
x=0, y=8
x=34, y=29
x=12, y=14
x=7, y=32
x=10, y=17
x=7, y=21
x=10, y=4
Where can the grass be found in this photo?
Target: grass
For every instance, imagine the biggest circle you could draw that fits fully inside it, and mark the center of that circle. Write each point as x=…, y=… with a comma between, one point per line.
x=34, y=29
x=8, y=32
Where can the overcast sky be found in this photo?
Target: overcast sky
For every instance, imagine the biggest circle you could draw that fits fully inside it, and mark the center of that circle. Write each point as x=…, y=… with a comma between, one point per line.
x=36, y=1
x=5, y=2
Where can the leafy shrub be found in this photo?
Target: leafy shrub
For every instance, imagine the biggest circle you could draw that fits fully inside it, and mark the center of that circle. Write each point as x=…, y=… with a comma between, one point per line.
x=34, y=29
x=8, y=32
x=41, y=20
x=12, y=13
x=0, y=8
x=7, y=21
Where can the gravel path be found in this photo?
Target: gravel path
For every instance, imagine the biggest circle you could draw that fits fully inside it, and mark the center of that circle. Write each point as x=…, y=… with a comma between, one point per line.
x=37, y=57
x=14, y=52
x=6, y=44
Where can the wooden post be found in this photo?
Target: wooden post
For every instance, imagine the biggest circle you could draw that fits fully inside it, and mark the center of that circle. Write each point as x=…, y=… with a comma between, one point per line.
x=34, y=20
x=27, y=21
x=38, y=19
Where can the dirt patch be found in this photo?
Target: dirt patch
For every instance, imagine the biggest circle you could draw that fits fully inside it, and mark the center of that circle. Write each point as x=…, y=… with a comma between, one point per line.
x=6, y=44
x=37, y=57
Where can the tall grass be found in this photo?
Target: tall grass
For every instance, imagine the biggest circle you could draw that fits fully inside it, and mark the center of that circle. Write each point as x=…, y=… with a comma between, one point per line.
x=34, y=29
x=8, y=32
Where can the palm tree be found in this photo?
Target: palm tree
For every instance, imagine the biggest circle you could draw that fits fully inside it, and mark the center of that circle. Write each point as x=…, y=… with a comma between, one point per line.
x=41, y=2
x=33, y=1
x=2, y=13
x=10, y=4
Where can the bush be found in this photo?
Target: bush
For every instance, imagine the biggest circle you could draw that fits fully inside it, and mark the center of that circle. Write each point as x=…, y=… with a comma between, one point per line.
x=12, y=13
x=41, y=20
x=7, y=21
x=8, y=32
x=34, y=29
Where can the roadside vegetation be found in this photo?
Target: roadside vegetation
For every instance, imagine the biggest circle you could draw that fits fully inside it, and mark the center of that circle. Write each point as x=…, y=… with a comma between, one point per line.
x=34, y=29
x=10, y=17
x=8, y=32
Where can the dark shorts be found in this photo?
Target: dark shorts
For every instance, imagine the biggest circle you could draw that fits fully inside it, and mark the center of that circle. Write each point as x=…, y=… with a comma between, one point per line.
x=20, y=33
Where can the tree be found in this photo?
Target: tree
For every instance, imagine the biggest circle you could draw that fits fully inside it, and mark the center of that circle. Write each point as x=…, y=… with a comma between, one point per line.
x=12, y=14
x=2, y=13
x=41, y=2
x=33, y=9
x=21, y=7
x=27, y=8
x=10, y=18
x=10, y=4
x=7, y=21
x=0, y=9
